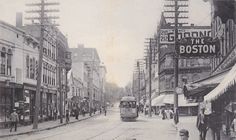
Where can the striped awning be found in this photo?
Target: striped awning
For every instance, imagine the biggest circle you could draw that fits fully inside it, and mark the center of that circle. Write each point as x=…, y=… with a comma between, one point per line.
x=229, y=80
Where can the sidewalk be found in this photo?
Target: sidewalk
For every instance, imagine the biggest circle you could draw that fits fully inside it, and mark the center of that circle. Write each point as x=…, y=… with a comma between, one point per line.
x=189, y=123
x=47, y=125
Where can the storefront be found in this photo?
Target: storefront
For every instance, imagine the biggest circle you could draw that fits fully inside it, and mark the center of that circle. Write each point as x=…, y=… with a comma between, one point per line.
x=167, y=101
x=222, y=99
x=10, y=97
x=218, y=95
x=47, y=99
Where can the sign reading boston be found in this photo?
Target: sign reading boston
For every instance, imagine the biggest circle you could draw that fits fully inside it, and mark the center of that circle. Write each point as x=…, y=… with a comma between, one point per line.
x=198, y=47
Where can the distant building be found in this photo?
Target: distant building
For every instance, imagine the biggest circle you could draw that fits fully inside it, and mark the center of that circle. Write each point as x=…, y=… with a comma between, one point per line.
x=86, y=66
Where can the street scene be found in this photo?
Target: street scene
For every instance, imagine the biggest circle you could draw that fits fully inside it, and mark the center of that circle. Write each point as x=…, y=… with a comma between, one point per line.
x=118, y=69
x=108, y=127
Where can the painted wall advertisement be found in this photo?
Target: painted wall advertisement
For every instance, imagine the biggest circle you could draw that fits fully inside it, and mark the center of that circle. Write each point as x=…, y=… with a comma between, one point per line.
x=167, y=36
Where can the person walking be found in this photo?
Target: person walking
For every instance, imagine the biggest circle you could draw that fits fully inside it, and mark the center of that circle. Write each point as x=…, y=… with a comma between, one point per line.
x=67, y=116
x=214, y=123
x=14, y=120
x=202, y=124
x=55, y=114
x=105, y=111
x=77, y=113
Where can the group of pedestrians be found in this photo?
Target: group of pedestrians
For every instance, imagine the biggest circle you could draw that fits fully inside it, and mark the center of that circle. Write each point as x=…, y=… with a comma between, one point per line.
x=166, y=113
x=206, y=122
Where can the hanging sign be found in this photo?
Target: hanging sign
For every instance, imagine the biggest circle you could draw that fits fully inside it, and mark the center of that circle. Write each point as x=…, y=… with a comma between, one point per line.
x=198, y=47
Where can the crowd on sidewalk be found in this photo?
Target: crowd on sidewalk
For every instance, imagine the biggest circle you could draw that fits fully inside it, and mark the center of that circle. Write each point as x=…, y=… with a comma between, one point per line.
x=70, y=117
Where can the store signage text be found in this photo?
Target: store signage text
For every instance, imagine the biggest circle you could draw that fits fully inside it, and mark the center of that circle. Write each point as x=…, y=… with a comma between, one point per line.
x=195, y=47
x=167, y=36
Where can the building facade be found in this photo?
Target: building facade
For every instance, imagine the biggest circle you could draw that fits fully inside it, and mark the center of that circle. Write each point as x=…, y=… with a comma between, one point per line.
x=19, y=60
x=189, y=69
x=19, y=69
x=86, y=66
x=218, y=90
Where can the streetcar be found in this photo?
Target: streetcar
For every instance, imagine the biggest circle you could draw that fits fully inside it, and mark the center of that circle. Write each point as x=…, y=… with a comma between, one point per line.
x=128, y=108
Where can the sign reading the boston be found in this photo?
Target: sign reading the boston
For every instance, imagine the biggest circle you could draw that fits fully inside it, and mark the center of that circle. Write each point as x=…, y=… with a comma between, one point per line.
x=198, y=47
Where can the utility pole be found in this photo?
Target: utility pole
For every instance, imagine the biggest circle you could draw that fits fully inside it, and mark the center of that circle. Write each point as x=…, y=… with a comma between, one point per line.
x=61, y=98
x=138, y=66
x=151, y=50
x=43, y=21
x=150, y=79
x=176, y=23
x=133, y=85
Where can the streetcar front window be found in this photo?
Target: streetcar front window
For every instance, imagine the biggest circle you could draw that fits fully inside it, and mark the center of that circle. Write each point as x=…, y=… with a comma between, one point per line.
x=128, y=104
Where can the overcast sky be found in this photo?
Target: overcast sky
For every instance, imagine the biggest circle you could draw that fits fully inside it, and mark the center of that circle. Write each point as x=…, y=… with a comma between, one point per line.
x=117, y=28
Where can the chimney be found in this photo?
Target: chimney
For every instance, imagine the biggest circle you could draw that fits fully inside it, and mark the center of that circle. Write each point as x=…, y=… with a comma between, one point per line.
x=19, y=22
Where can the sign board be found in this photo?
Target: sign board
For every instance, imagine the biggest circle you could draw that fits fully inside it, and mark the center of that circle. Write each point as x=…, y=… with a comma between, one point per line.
x=167, y=36
x=17, y=104
x=198, y=47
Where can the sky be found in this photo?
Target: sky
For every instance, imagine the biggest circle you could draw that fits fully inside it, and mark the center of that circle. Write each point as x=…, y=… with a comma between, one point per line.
x=116, y=28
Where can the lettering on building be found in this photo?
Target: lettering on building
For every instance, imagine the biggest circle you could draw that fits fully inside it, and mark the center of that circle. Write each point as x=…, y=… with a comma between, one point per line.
x=198, y=47
x=167, y=36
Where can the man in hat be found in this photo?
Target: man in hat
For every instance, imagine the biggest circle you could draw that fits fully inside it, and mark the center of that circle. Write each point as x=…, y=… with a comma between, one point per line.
x=14, y=120
x=184, y=134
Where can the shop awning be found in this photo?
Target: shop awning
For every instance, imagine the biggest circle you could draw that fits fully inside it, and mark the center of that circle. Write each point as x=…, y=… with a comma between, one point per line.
x=229, y=80
x=169, y=99
x=182, y=102
x=158, y=101
x=204, y=86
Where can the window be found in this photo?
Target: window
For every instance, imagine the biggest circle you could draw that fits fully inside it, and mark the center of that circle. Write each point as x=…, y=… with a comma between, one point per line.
x=3, y=61
x=27, y=66
x=73, y=92
x=31, y=69
x=36, y=69
x=9, y=54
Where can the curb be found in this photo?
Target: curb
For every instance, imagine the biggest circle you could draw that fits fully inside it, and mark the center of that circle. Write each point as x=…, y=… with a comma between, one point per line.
x=48, y=128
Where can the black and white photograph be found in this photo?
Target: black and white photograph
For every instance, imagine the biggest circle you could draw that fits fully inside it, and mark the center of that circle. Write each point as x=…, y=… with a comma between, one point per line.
x=117, y=69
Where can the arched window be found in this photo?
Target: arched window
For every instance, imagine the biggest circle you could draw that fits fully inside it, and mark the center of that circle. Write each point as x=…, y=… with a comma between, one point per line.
x=3, y=61
x=9, y=55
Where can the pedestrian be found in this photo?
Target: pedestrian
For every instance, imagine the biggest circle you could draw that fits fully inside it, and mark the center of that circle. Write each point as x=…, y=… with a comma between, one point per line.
x=214, y=123
x=14, y=118
x=167, y=112
x=83, y=111
x=163, y=114
x=100, y=110
x=77, y=113
x=105, y=111
x=55, y=114
x=67, y=116
x=202, y=124
x=184, y=134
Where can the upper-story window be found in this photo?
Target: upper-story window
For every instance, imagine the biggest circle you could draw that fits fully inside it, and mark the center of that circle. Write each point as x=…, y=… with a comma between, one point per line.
x=27, y=67
x=9, y=55
x=3, y=61
x=73, y=91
